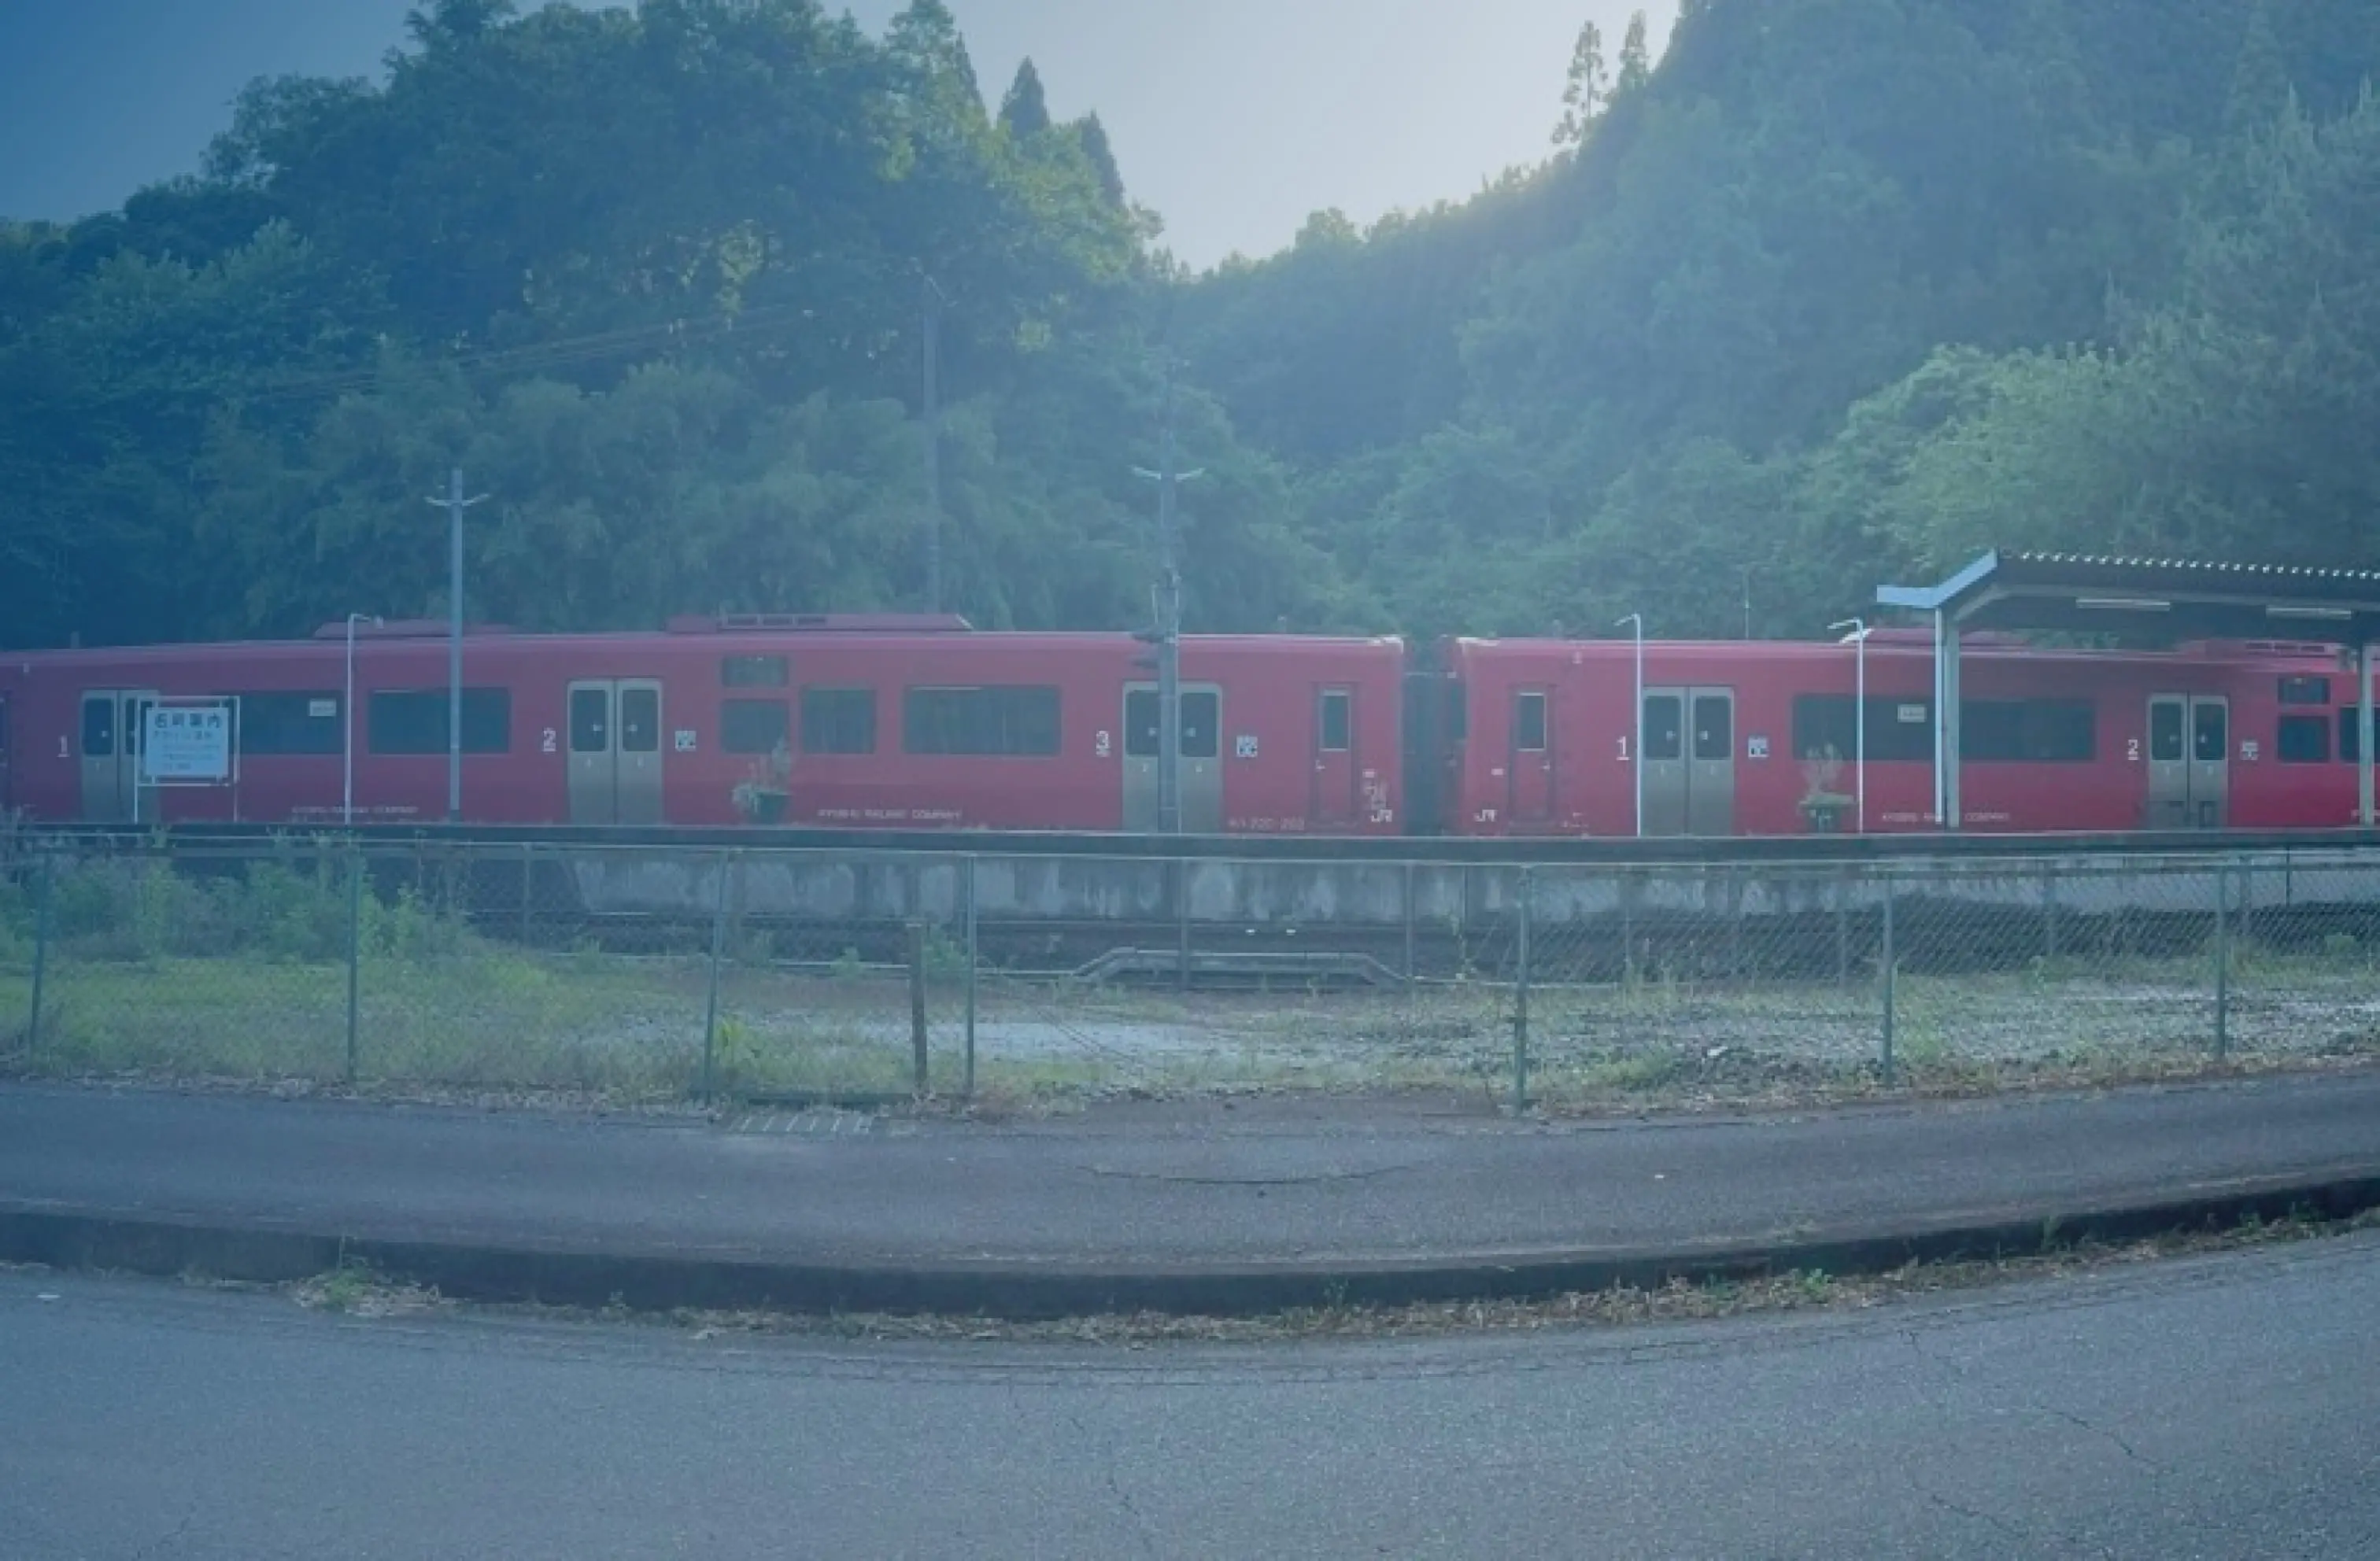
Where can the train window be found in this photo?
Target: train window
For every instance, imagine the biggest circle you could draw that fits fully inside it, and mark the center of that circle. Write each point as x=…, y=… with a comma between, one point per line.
x=2303, y=739
x=2165, y=732
x=1337, y=719
x=1202, y=719
x=2305, y=691
x=590, y=720
x=290, y=723
x=414, y=721
x=1529, y=722
x=640, y=720
x=2210, y=733
x=2027, y=730
x=1017, y=722
x=1714, y=727
x=2350, y=735
x=1826, y=726
x=838, y=720
x=752, y=672
x=1142, y=736
x=99, y=728
x=1458, y=713
x=1665, y=727
x=754, y=726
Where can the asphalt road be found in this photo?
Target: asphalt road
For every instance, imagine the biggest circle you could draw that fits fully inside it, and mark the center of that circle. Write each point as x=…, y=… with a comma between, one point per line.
x=2218, y=1409
x=1283, y=1181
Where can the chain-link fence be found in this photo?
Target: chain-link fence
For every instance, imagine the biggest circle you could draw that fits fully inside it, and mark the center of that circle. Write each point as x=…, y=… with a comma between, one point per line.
x=669, y=973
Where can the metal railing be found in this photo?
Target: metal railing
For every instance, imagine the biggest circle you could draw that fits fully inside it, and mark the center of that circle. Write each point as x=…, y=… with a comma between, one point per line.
x=649, y=976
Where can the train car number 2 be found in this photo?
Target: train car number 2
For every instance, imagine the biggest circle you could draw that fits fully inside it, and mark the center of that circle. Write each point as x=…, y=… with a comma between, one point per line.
x=545, y=743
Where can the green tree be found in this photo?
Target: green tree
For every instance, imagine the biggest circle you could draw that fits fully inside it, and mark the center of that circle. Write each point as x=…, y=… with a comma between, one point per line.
x=1636, y=59
x=1025, y=111
x=1588, y=87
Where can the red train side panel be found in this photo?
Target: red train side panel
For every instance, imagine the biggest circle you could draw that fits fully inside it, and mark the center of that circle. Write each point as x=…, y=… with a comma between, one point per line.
x=1758, y=738
x=878, y=729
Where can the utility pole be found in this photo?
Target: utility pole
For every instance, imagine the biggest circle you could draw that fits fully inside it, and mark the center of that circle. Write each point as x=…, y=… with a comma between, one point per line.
x=934, y=301
x=454, y=504
x=1167, y=634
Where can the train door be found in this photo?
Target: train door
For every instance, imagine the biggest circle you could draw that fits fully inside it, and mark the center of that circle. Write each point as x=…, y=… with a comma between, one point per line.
x=1202, y=765
x=1529, y=767
x=1336, y=784
x=1710, y=783
x=110, y=743
x=615, y=752
x=1664, y=761
x=2189, y=762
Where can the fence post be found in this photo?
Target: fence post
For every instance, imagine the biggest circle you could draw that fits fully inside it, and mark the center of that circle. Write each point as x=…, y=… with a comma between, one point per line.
x=355, y=954
x=1843, y=928
x=1409, y=933
x=917, y=1001
x=1889, y=972
x=2222, y=962
x=529, y=887
x=41, y=950
x=1521, y=1000
x=1182, y=920
x=2049, y=911
x=968, y=1089
x=727, y=865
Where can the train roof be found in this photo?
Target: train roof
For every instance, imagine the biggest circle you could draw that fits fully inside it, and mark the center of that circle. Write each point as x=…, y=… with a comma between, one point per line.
x=1905, y=644
x=891, y=632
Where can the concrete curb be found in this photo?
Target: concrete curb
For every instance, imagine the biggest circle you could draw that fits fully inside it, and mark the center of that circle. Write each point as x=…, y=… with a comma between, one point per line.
x=1023, y=1290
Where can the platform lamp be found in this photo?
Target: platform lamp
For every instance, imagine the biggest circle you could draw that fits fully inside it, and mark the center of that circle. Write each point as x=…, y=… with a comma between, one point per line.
x=348, y=725
x=1636, y=620
x=1859, y=714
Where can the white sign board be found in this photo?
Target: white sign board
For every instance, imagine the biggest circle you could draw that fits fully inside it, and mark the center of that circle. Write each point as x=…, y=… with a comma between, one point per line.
x=187, y=743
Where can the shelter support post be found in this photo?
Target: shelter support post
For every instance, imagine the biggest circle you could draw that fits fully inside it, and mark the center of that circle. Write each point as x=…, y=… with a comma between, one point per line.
x=1947, y=806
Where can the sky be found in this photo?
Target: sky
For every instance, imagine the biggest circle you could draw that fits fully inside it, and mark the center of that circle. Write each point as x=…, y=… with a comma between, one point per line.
x=1234, y=119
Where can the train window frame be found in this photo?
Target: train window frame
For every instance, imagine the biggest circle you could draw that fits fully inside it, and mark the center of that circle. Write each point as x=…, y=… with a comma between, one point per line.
x=826, y=713
x=1201, y=713
x=589, y=737
x=2300, y=751
x=2200, y=710
x=1334, y=721
x=755, y=728
x=2351, y=734
x=2036, y=731
x=1708, y=749
x=983, y=720
x=634, y=735
x=1532, y=720
x=755, y=671
x=485, y=710
x=266, y=719
x=2303, y=689
x=2160, y=750
x=1664, y=747
x=1143, y=725
x=104, y=746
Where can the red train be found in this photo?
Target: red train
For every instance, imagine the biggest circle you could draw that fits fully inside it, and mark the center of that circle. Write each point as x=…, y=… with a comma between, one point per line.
x=897, y=722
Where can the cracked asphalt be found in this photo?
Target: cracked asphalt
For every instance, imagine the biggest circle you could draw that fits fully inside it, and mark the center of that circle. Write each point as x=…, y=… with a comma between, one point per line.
x=2201, y=1407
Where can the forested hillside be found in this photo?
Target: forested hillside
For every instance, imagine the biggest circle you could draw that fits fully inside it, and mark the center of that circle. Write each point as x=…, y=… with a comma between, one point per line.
x=1843, y=289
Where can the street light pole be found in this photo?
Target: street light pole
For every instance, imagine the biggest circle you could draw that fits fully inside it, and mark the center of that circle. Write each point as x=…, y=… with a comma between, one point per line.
x=1859, y=713
x=1636, y=754
x=454, y=504
x=348, y=724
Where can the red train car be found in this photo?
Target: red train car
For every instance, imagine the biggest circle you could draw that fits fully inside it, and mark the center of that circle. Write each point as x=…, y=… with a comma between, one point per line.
x=1757, y=738
x=861, y=722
